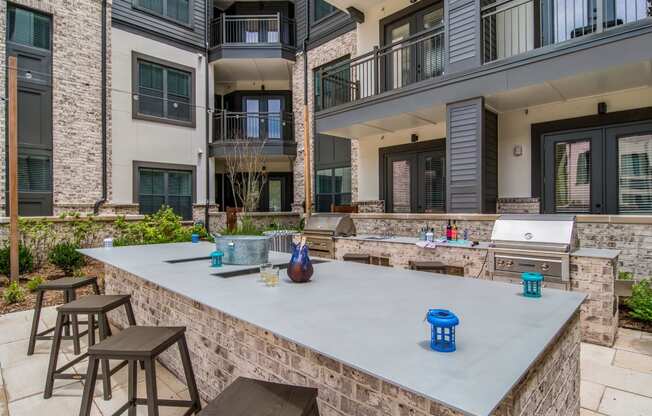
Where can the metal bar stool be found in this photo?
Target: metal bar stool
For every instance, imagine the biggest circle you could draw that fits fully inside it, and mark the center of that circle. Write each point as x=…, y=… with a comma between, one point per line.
x=90, y=305
x=357, y=258
x=69, y=286
x=249, y=397
x=141, y=343
x=428, y=266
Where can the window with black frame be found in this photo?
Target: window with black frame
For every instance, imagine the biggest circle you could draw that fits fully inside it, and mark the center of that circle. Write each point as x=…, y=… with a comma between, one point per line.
x=323, y=9
x=333, y=187
x=163, y=93
x=177, y=10
x=28, y=27
x=159, y=187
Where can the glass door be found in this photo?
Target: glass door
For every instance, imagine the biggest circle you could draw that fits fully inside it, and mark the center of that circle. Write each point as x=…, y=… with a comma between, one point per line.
x=432, y=182
x=398, y=61
x=252, y=108
x=264, y=119
x=401, y=182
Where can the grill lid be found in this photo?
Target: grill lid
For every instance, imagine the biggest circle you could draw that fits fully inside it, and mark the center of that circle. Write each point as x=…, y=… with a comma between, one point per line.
x=528, y=230
x=333, y=224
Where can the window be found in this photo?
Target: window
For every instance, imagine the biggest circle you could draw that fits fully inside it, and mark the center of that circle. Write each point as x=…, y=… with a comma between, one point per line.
x=28, y=27
x=635, y=174
x=177, y=10
x=34, y=173
x=163, y=91
x=323, y=9
x=333, y=187
x=159, y=187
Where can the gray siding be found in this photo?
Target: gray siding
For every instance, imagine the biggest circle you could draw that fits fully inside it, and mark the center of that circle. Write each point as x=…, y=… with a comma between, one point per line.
x=462, y=34
x=322, y=31
x=490, y=162
x=124, y=14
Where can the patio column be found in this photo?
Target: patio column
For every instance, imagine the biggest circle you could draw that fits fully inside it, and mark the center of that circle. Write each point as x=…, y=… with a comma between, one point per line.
x=472, y=157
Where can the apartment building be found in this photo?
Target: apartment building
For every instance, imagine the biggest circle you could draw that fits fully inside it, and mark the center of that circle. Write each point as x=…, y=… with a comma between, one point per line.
x=469, y=106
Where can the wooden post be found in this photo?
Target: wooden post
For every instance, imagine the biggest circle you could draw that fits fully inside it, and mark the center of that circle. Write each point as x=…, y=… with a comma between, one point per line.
x=306, y=160
x=13, y=166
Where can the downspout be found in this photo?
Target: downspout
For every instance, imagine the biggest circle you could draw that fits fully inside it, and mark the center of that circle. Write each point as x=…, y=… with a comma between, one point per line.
x=102, y=200
x=207, y=116
x=306, y=124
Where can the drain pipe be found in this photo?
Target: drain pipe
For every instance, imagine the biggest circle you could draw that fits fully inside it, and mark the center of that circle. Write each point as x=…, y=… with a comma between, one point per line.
x=102, y=200
x=306, y=121
x=207, y=116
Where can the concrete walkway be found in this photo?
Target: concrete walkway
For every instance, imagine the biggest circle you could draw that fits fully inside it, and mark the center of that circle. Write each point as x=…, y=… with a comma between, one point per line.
x=615, y=381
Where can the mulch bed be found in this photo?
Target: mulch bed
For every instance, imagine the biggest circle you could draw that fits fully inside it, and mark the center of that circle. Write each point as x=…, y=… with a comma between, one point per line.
x=51, y=298
x=626, y=321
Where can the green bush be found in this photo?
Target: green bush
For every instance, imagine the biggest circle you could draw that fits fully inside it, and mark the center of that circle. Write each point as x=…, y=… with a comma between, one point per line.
x=66, y=257
x=625, y=276
x=246, y=226
x=25, y=260
x=34, y=283
x=640, y=304
x=13, y=294
x=163, y=226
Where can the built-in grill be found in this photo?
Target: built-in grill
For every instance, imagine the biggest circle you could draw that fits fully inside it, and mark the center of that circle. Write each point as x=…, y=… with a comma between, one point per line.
x=533, y=243
x=320, y=229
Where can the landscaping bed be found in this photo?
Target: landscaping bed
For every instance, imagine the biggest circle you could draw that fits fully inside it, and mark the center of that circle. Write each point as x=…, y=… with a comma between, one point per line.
x=625, y=320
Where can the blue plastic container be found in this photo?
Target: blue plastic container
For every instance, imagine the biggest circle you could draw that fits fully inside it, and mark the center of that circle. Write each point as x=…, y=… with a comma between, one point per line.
x=442, y=329
x=194, y=238
x=216, y=258
x=532, y=284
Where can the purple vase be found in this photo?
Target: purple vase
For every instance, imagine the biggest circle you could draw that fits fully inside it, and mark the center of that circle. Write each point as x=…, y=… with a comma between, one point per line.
x=300, y=268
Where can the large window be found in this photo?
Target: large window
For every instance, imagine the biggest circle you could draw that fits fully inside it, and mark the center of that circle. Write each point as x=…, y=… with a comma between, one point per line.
x=28, y=27
x=163, y=91
x=599, y=171
x=159, y=187
x=333, y=187
x=323, y=9
x=177, y=10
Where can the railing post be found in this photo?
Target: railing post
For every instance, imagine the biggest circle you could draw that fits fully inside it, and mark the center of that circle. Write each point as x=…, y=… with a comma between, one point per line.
x=278, y=27
x=599, y=16
x=223, y=125
x=376, y=71
x=223, y=28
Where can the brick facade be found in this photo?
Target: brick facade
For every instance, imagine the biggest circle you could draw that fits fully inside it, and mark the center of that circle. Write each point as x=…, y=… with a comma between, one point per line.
x=76, y=100
x=223, y=348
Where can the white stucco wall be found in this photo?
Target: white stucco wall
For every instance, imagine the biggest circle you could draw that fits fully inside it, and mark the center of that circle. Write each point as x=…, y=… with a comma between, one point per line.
x=514, y=128
x=368, y=32
x=146, y=140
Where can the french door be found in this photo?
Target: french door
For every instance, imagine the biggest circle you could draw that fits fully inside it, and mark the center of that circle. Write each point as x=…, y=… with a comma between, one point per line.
x=264, y=118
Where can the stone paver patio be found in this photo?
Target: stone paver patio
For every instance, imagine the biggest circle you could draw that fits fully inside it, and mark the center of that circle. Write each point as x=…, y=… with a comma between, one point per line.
x=615, y=381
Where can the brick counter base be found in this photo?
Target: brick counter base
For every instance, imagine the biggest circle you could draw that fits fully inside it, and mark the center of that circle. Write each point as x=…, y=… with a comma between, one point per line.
x=223, y=348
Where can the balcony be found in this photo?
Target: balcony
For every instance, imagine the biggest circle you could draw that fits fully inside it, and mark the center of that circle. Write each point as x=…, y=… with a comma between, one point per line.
x=272, y=132
x=417, y=58
x=514, y=27
x=252, y=37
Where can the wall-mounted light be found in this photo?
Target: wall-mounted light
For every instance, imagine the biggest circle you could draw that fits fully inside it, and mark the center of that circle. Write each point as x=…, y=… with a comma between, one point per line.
x=602, y=108
x=518, y=150
x=414, y=138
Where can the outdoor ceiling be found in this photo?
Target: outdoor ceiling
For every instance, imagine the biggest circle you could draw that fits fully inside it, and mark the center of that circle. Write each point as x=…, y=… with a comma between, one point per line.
x=585, y=85
x=263, y=69
x=362, y=5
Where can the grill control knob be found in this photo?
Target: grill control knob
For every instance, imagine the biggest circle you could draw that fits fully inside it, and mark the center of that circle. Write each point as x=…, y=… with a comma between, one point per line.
x=545, y=267
x=509, y=263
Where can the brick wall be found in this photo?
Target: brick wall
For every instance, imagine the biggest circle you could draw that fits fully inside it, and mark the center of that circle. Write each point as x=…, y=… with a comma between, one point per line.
x=223, y=348
x=76, y=99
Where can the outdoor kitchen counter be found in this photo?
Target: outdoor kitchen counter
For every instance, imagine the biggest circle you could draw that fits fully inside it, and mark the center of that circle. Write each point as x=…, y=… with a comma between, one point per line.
x=368, y=319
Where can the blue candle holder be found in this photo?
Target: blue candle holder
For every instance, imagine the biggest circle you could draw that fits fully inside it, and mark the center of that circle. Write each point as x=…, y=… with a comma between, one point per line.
x=194, y=238
x=216, y=258
x=532, y=284
x=442, y=334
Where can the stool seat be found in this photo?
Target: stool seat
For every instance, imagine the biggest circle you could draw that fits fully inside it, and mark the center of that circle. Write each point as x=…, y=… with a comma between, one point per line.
x=94, y=304
x=250, y=397
x=137, y=341
x=67, y=283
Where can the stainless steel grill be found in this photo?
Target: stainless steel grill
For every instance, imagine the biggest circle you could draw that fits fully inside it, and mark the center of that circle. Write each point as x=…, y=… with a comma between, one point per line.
x=533, y=243
x=320, y=230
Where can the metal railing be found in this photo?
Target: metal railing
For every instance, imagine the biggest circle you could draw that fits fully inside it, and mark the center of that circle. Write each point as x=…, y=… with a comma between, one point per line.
x=416, y=58
x=252, y=30
x=239, y=126
x=512, y=27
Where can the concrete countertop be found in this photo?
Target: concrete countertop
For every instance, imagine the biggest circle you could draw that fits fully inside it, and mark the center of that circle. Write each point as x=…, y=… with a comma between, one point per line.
x=596, y=252
x=372, y=318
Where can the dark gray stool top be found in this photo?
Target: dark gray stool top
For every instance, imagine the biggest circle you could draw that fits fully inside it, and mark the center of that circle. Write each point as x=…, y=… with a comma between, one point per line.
x=94, y=304
x=137, y=341
x=250, y=397
x=67, y=283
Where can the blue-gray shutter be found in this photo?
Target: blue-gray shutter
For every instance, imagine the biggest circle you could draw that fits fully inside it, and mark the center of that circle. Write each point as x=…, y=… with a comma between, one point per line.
x=462, y=19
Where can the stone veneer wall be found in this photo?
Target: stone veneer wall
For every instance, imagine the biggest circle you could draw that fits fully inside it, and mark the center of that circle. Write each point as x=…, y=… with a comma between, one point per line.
x=518, y=206
x=76, y=100
x=595, y=277
x=223, y=348
x=323, y=54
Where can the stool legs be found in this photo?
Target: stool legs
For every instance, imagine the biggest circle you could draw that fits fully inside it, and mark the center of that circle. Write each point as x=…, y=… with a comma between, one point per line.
x=190, y=375
x=133, y=388
x=150, y=382
x=106, y=370
x=89, y=388
x=35, y=321
x=54, y=356
x=75, y=325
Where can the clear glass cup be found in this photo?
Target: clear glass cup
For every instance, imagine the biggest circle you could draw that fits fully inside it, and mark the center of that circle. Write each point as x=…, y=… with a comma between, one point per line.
x=272, y=277
x=265, y=268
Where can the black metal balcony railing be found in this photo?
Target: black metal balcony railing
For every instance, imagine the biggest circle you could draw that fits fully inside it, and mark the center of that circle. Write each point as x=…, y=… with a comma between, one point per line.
x=252, y=30
x=416, y=58
x=237, y=126
x=512, y=27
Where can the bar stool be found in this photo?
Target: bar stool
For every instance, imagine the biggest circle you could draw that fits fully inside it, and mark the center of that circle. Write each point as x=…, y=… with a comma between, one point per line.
x=428, y=266
x=357, y=258
x=90, y=305
x=69, y=286
x=249, y=397
x=141, y=343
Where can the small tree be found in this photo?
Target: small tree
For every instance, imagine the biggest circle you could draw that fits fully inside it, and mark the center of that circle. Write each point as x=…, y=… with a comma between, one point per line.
x=244, y=168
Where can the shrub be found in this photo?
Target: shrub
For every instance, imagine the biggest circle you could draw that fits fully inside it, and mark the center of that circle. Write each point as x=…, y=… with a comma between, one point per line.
x=640, y=304
x=25, y=260
x=66, y=257
x=625, y=276
x=163, y=226
x=34, y=283
x=13, y=294
x=245, y=226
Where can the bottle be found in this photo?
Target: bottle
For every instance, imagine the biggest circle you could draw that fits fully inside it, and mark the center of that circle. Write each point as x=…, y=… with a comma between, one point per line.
x=466, y=234
x=449, y=231
x=430, y=236
x=454, y=231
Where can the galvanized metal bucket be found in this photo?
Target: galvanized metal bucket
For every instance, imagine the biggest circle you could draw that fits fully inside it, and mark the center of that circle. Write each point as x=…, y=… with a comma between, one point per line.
x=243, y=249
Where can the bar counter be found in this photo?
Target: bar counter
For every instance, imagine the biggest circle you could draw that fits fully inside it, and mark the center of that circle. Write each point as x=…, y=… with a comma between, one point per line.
x=357, y=333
